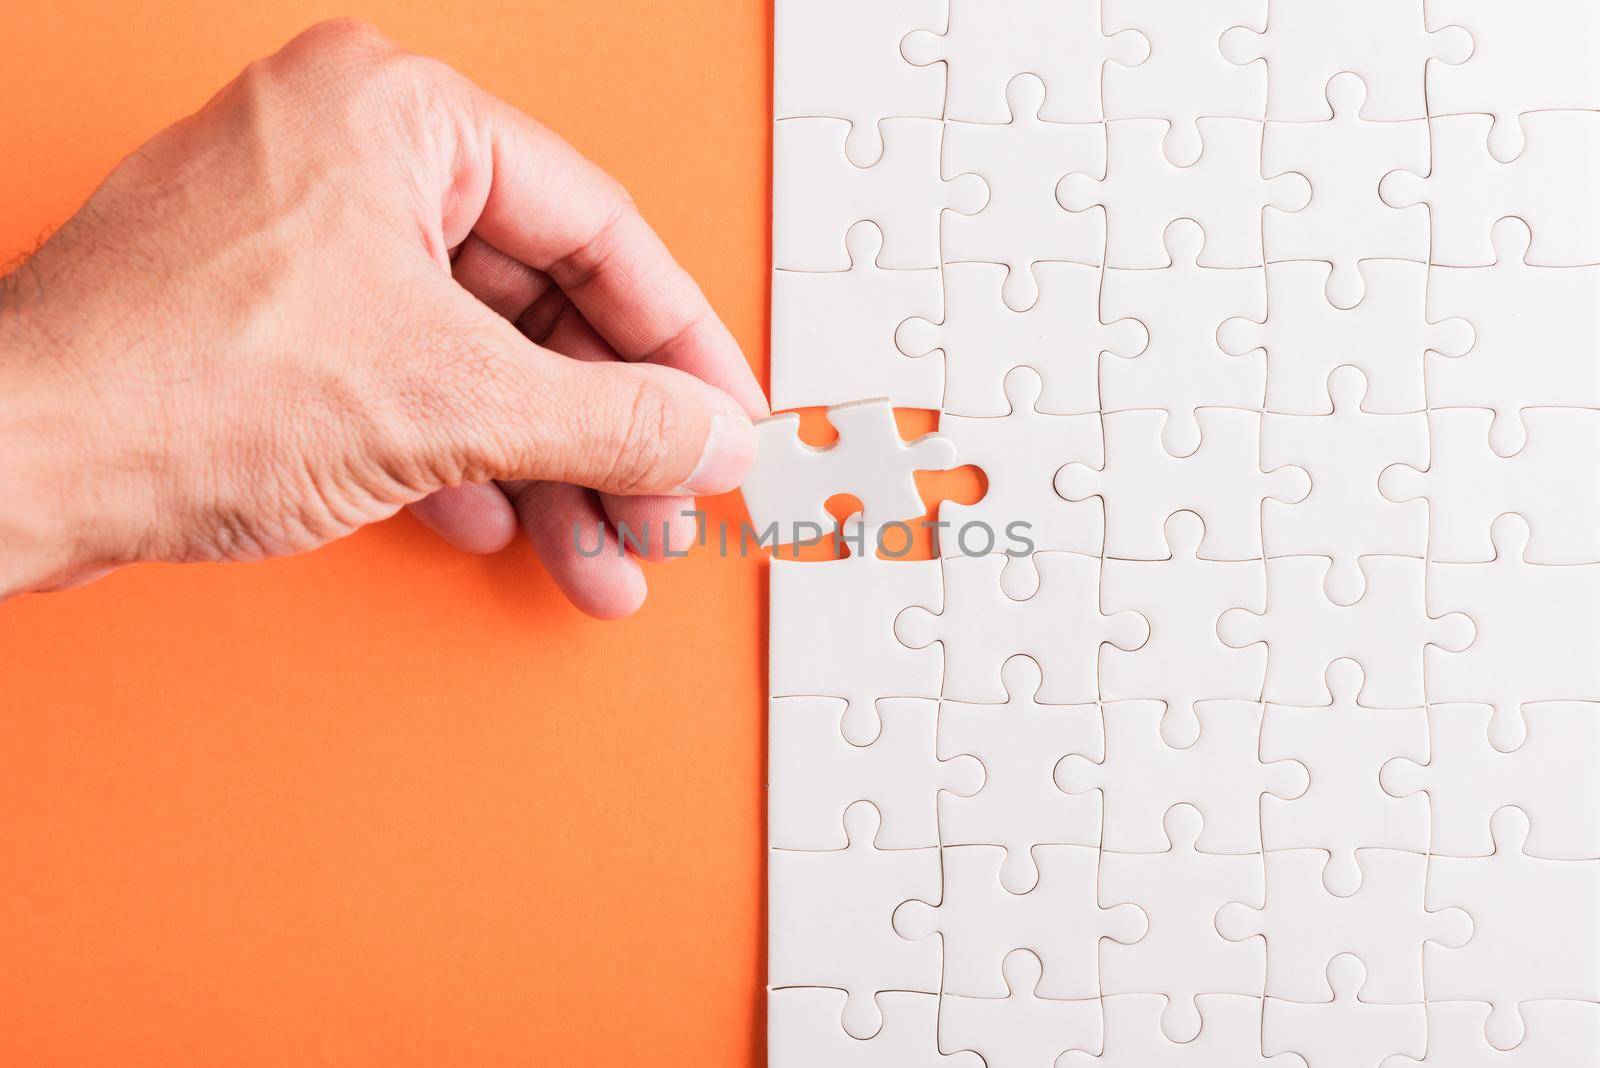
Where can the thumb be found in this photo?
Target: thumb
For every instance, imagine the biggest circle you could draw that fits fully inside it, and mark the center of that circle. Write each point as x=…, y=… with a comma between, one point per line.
x=514, y=410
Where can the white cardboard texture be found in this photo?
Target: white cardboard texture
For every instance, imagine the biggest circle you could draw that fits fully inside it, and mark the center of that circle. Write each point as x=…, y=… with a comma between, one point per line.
x=1275, y=321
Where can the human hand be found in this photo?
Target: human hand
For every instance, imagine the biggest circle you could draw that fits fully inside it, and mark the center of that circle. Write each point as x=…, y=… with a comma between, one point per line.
x=350, y=283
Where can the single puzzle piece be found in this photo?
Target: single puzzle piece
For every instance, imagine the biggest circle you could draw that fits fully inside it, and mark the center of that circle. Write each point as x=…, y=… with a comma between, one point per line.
x=1061, y=337
x=790, y=483
x=1468, y=486
x=990, y=41
x=841, y=58
x=1022, y=1029
x=1222, y=481
x=1182, y=369
x=818, y=194
x=1535, y=334
x=1550, y=186
x=1019, y=743
x=833, y=331
x=1230, y=1036
x=1184, y=661
x=1017, y=454
x=981, y=922
x=1185, y=76
x=1553, y=777
x=1537, y=55
x=814, y=773
x=1142, y=777
x=1345, y=517
x=1061, y=627
x=1344, y=747
x=1308, y=42
x=855, y=655
x=1538, y=626
x=1223, y=191
x=1306, y=337
x=1386, y=632
x=1535, y=929
x=1021, y=161
x=803, y=1031
x=1385, y=923
x=1181, y=956
x=1344, y=1029
x=836, y=931
x=1556, y=1030
x=1345, y=158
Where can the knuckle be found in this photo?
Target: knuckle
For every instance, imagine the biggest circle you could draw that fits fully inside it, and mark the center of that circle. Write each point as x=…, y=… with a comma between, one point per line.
x=343, y=39
x=595, y=254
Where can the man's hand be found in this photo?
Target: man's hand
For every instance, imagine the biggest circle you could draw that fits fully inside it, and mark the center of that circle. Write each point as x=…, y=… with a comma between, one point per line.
x=354, y=282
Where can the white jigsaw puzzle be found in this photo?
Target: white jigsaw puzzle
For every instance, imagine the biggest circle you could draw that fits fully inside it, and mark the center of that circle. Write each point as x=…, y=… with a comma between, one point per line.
x=1273, y=327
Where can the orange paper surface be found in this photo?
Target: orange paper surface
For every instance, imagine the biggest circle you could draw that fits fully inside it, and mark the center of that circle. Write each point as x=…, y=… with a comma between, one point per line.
x=386, y=803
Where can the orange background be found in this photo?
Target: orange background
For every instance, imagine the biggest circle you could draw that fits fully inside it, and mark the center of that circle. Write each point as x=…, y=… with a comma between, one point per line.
x=387, y=803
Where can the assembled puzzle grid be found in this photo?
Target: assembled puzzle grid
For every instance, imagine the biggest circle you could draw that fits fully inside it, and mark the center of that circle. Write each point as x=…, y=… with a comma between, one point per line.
x=1276, y=323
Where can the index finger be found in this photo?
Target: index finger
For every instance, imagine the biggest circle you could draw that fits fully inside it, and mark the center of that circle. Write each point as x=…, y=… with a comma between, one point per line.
x=556, y=211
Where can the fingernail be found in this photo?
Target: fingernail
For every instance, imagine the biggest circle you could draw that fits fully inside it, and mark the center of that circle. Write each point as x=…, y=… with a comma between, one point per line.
x=730, y=450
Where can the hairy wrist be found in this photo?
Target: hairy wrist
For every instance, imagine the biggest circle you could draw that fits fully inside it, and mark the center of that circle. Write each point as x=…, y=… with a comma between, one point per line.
x=49, y=528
